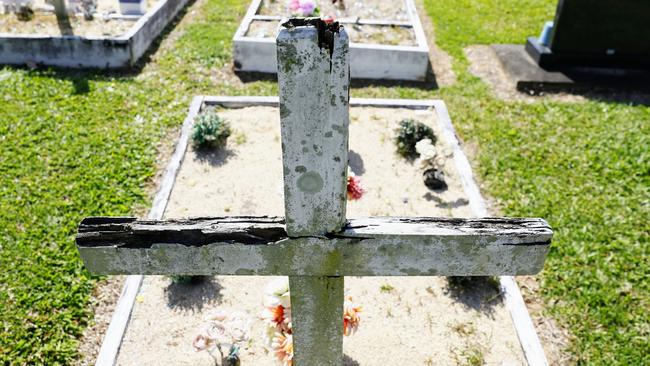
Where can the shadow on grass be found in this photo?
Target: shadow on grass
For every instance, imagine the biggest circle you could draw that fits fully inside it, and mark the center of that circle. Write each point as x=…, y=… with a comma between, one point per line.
x=480, y=293
x=631, y=95
x=429, y=83
x=193, y=294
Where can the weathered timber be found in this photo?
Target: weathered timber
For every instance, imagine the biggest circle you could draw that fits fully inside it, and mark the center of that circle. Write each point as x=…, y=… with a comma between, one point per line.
x=316, y=246
x=317, y=320
x=389, y=246
x=313, y=76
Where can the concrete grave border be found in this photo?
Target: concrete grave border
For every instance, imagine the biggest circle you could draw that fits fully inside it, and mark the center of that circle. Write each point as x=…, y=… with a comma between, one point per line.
x=514, y=302
x=90, y=52
x=367, y=61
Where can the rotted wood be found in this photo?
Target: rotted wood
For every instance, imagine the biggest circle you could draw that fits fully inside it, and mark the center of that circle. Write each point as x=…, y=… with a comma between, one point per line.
x=388, y=246
x=313, y=75
x=317, y=333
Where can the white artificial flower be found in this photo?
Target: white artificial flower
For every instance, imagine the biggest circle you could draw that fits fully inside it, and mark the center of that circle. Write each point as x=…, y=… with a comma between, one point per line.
x=277, y=293
x=239, y=327
x=426, y=149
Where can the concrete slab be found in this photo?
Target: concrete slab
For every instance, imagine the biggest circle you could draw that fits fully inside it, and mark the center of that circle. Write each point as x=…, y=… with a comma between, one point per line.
x=529, y=76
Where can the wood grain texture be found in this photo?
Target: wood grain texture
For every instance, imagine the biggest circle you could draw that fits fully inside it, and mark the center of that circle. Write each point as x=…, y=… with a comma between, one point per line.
x=314, y=114
x=389, y=246
x=317, y=320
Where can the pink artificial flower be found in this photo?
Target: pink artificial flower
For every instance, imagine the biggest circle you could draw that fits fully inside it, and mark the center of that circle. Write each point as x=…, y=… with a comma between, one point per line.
x=355, y=190
x=307, y=7
x=303, y=7
x=201, y=343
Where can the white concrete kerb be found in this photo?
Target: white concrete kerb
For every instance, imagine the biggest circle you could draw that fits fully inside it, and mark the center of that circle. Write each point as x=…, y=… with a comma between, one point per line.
x=367, y=61
x=522, y=322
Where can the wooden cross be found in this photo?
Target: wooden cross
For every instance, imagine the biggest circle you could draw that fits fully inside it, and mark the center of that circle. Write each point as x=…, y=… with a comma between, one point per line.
x=314, y=244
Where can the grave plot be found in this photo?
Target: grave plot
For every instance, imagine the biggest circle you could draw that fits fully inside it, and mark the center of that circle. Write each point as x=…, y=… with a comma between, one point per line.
x=86, y=33
x=386, y=38
x=406, y=321
x=316, y=244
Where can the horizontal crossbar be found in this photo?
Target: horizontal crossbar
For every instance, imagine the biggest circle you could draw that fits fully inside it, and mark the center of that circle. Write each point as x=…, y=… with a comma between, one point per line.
x=382, y=246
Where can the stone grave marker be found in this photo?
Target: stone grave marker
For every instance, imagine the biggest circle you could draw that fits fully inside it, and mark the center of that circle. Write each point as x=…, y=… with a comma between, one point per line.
x=603, y=33
x=314, y=244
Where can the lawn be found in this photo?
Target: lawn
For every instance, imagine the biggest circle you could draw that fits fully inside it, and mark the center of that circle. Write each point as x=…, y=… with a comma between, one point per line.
x=84, y=143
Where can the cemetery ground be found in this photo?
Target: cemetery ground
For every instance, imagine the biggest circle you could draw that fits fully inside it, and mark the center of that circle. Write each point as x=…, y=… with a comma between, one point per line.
x=76, y=144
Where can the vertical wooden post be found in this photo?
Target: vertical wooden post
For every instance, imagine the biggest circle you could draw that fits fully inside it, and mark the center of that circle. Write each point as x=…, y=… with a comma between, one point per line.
x=314, y=74
x=317, y=316
x=314, y=113
x=60, y=9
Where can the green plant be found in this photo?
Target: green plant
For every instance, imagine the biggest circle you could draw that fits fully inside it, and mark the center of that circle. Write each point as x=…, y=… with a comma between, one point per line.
x=386, y=288
x=408, y=134
x=210, y=130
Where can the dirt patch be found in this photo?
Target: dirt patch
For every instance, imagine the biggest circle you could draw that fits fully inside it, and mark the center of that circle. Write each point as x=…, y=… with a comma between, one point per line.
x=369, y=34
x=441, y=62
x=46, y=23
x=485, y=64
x=366, y=9
x=410, y=321
x=554, y=338
x=103, y=301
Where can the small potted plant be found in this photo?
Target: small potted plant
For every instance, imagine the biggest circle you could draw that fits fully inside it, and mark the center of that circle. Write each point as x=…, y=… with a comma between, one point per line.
x=415, y=139
x=210, y=131
x=132, y=7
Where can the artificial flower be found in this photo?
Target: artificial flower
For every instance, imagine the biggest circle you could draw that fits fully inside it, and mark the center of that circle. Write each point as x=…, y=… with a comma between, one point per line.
x=216, y=315
x=201, y=343
x=282, y=346
x=351, y=316
x=355, y=190
x=328, y=19
x=426, y=149
x=277, y=293
x=303, y=7
x=277, y=316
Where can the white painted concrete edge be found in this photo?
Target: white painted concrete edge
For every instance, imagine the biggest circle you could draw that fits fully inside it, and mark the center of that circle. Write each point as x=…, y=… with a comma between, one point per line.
x=242, y=41
x=521, y=320
x=414, y=22
x=515, y=305
x=119, y=322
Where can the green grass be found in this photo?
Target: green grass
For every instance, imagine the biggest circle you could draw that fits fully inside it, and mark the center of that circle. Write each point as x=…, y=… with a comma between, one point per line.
x=79, y=144
x=74, y=144
x=585, y=167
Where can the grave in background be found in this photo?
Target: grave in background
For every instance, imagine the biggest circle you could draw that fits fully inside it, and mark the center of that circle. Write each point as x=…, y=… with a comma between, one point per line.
x=91, y=51
x=254, y=43
x=604, y=43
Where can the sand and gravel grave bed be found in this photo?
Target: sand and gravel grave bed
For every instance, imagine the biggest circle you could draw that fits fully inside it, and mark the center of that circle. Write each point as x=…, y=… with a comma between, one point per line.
x=46, y=23
x=405, y=321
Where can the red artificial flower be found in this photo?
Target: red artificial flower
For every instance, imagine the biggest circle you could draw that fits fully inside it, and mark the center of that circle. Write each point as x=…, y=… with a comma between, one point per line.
x=355, y=191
